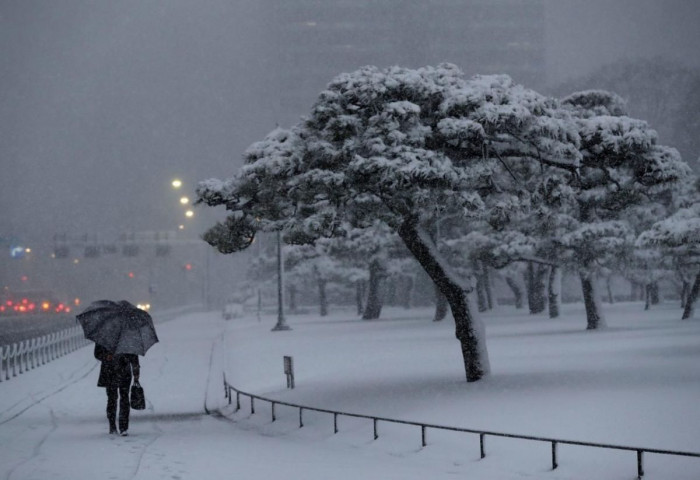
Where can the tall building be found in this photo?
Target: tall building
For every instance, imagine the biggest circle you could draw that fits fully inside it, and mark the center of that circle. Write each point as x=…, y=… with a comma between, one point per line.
x=312, y=41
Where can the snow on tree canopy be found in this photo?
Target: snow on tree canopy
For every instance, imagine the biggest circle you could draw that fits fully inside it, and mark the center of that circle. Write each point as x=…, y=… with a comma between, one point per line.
x=398, y=142
x=679, y=230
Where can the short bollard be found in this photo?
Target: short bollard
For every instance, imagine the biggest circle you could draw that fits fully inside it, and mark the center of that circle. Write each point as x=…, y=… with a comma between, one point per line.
x=640, y=464
x=554, y=456
x=481, y=445
x=289, y=370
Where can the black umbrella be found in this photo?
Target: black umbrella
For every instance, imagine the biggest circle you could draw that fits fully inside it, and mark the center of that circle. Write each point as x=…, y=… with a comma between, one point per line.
x=120, y=327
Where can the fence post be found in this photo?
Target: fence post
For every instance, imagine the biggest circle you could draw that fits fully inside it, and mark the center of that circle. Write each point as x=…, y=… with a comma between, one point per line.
x=273, y=411
x=335, y=423
x=238, y=401
x=481, y=444
x=20, y=352
x=640, y=464
x=301, y=420
x=15, y=350
x=376, y=434
x=30, y=360
x=252, y=405
x=554, y=456
x=422, y=434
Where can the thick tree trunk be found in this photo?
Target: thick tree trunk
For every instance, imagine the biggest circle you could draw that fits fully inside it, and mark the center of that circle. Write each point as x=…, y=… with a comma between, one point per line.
x=535, y=287
x=441, y=305
x=647, y=297
x=594, y=317
x=517, y=291
x=360, y=295
x=554, y=292
x=322, y=298
x=689, y=309
x=373, y=309
x=469, y=330
x=487, y=287
x=292, y=291
x=481, y=296
x=654, y=291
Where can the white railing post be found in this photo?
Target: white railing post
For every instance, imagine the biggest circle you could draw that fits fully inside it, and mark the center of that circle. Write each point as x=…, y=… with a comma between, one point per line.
x=13, y=358
x=2, y=361
x=17, y=358
x=20, y=351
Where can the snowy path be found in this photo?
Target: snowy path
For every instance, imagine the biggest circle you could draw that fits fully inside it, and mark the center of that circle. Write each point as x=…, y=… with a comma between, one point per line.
x=52, y=425
x=636, y=383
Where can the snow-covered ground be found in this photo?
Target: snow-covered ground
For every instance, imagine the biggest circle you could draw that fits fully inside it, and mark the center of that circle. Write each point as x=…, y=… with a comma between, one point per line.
x=637, y=383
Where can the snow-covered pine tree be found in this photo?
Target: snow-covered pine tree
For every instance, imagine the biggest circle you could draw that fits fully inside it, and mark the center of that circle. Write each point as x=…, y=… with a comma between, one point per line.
x=679, y=235
x=622, y=165
x=403, y=147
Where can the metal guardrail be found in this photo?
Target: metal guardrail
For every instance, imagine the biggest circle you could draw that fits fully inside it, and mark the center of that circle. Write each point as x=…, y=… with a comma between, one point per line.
x=16, y=358
x=555, y=442
x=19, y=357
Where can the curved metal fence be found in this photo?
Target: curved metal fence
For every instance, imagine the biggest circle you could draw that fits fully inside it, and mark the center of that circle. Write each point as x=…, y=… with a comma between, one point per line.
x=17, y=358
x=555, y=442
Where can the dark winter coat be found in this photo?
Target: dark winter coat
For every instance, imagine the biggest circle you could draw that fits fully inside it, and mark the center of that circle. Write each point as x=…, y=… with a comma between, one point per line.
x=116, y=369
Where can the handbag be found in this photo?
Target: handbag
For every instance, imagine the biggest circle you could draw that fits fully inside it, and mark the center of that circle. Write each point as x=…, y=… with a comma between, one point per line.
x=137, y=397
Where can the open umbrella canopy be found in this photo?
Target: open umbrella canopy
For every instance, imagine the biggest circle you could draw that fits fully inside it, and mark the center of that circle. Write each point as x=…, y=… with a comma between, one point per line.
x=120, y=327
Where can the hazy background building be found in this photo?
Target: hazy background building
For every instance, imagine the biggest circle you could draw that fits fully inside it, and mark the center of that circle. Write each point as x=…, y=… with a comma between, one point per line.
x=311, y=41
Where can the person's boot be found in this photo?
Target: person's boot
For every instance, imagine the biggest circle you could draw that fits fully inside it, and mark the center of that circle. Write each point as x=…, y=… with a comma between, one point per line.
x=112, y=429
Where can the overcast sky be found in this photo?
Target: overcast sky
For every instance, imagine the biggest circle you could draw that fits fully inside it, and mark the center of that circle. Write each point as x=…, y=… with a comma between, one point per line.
x=102, y=103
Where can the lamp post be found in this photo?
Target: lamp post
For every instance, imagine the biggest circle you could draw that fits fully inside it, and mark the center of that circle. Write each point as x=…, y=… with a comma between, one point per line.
x=281, y=323
x=189, y=215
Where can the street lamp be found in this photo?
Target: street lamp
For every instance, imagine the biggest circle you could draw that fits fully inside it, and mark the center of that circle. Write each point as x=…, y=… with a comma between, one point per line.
x=281, y=323
x=176, y=183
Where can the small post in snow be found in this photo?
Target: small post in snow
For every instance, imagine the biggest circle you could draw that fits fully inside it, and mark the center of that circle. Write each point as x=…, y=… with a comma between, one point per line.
x=289, y=370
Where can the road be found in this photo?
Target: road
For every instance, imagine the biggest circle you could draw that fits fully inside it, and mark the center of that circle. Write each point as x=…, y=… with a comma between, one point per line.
x=21, y=327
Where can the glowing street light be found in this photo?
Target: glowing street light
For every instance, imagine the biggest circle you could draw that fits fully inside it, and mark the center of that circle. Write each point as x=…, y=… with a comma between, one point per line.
x=189, y=214
x=184, y=200
x=176, y=183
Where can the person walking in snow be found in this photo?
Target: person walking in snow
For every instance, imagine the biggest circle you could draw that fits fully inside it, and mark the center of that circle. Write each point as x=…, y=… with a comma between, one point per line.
x=115, y=375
